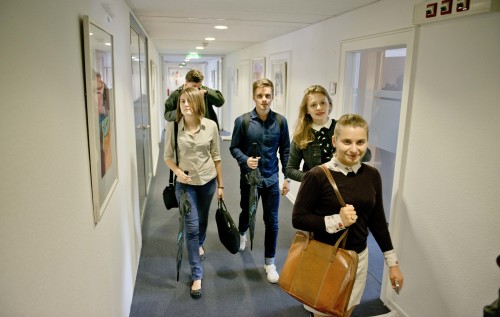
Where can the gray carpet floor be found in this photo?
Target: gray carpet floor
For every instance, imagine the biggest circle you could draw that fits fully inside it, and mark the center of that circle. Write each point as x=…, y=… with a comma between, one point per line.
x=233, y=285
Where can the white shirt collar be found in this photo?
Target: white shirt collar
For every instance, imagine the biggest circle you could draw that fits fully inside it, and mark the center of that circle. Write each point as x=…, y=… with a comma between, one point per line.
x=327, y=125
x=335, y=165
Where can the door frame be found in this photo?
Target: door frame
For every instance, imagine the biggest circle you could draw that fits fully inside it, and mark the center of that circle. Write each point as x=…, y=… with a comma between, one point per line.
x=148, y=174
x=405, y=37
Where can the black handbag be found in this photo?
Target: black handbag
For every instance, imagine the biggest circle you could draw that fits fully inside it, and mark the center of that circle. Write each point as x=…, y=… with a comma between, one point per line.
x=169, y=198
x=229, y=234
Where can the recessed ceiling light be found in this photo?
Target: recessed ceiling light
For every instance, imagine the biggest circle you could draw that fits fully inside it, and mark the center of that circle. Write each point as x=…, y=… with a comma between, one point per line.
x=210, y=39
x=220, y=27
x=200, y=48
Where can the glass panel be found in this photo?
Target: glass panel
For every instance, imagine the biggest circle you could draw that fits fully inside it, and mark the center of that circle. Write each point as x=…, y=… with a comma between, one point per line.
x=374, y=83
x=136, y=90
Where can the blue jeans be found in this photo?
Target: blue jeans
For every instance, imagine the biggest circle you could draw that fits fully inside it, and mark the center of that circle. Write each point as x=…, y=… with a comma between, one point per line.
x=270, y=204
x=195, y=224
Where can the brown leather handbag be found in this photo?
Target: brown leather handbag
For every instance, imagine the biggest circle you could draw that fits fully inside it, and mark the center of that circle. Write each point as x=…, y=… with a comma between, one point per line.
x=318, y=274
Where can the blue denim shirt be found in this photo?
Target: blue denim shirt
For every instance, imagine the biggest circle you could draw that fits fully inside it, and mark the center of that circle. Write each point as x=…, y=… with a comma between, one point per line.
x=270, y=140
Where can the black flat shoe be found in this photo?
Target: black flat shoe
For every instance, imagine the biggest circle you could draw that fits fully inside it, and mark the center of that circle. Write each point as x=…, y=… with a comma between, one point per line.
x=195, y=293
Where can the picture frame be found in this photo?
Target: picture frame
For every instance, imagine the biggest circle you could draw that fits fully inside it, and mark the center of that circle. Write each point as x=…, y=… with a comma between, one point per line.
x=234, y=81
x=279, y=78
x=258, y=69
x=153, y=80
x=176, y=78
x=101, y=116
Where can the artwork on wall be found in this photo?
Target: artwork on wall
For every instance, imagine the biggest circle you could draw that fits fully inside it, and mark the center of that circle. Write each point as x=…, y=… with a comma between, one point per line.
x=176, y=78
x=153, y=80
x=258, y=69
x=234, y=81
x=279, y=78
x=101, y=121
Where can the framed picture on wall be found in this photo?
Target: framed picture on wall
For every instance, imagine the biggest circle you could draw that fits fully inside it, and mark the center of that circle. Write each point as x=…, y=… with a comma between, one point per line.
x=258, y=69
x=278, y=77
x=101, y=121
x=280, y=72
x=234, y=81
x=176, y=78
x=153, y=81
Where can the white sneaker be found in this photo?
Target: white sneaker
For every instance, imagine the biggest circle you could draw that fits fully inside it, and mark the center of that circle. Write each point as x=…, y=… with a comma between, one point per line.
x=243, y=241
x=272, y=275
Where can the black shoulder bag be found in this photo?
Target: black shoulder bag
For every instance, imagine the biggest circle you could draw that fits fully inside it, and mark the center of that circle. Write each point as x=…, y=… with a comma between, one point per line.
x=169, y=192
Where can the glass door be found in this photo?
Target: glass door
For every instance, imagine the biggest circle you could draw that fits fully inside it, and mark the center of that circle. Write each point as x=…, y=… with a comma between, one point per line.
x=374, y=90
x=375, y=79
x=141, y=115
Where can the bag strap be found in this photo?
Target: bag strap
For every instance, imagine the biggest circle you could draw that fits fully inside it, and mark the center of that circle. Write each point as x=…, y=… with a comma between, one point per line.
x=334, y=185
x=171, y=179
x=221, y=204
x=343, y=237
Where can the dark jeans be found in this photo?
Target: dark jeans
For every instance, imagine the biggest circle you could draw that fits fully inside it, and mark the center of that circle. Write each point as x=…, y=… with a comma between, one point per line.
x=195, y=224
x=270, y=204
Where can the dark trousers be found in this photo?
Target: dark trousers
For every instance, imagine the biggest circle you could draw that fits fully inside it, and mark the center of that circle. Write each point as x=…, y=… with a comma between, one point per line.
x=270, y=204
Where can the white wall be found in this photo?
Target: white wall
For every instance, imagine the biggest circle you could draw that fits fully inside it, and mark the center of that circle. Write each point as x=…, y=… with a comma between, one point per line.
x=446, y=218
x=55, y=262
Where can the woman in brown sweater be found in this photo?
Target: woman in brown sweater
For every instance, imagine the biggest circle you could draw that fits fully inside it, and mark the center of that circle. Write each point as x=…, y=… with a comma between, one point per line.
x=317, y=209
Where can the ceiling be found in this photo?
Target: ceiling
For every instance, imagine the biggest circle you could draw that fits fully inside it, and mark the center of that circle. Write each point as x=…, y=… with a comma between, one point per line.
x=178, y=27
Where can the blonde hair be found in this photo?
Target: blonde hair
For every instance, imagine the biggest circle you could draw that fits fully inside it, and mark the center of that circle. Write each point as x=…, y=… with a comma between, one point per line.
x=303, y=134
x=350, y=120
x=196, y=102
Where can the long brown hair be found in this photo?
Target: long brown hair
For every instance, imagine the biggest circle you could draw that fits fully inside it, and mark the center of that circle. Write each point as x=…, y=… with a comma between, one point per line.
x=196, y=102
x=303, y=134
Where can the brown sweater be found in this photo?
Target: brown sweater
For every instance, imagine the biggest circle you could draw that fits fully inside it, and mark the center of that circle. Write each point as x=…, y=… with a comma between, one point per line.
x=316, y=199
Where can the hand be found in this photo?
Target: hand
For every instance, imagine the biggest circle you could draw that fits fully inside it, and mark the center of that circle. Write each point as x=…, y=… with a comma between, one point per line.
x=348, y=215
x=396, y=278
x=253, y=162
x=286, y=187
x=182, y=177
x=203, y=92
x=220, y=193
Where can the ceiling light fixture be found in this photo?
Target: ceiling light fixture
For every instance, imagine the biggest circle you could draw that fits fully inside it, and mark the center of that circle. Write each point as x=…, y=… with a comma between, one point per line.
x=220, y=27
x=210, y=39
x=200, y=48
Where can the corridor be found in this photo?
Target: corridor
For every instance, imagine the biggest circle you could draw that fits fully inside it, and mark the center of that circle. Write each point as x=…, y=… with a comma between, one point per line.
x=233, y=285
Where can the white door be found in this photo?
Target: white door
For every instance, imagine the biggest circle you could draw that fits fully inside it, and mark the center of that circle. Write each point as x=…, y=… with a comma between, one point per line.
x=374, y=78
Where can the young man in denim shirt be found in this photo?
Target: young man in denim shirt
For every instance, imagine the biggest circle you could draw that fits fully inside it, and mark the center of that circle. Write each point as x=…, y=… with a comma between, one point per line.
x=269, y=131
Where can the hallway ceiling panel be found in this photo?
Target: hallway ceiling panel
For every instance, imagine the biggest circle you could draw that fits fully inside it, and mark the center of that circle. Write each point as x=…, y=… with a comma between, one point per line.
x=178, y=27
